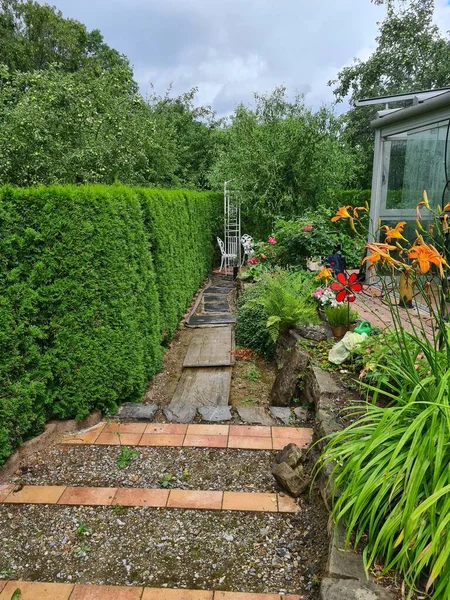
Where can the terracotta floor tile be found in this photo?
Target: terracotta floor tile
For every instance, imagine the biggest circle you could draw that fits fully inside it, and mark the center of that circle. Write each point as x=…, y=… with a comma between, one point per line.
x=4, y=491
x=125, y=427
x=165, y=594
x=196, y=499
x=250, y=443
x=108, y=439
x=287, y=504
x=152, y=439
x=2, y=584
x=302, y=442
x=120, y=437
x=291, y=597
x=88, y=496
x=291, y=432
x=206, y=441
x=250, y=430
x=37, y=494
x=259, y=502
x=207, y=430
x=244, y=596
x=35, y=590
x=105, y=592
x=87, y=437
x=141, y=497
x=167, y=428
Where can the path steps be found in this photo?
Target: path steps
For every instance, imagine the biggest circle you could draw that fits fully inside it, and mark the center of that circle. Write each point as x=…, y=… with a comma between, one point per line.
x=216, y=308
x=248, y=437
x=32, y=590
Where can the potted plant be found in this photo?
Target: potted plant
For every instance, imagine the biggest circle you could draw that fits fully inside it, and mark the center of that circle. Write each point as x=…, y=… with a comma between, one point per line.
x=340, y=318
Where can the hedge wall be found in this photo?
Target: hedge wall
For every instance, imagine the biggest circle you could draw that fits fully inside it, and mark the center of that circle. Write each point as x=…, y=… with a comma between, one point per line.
x=92, y=279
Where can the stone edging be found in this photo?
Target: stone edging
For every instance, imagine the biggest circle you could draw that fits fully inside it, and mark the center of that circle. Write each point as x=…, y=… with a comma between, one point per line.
x=53, y=431
x=346, y=578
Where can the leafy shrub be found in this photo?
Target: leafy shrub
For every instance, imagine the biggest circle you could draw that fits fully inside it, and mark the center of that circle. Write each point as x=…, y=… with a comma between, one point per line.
x=251, y=329
x=340, y=316
x=275, y=303
x=80, y=295
x=314, y=235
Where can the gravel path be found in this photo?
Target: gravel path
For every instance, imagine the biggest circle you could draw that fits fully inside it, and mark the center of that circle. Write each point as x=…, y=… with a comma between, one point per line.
x=254, y=552
x=191, y=468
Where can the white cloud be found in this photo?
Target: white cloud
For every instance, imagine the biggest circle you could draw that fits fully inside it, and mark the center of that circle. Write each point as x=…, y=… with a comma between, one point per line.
x=230, y=48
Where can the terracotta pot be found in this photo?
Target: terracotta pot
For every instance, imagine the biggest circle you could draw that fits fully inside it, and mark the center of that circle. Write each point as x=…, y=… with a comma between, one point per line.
x=339, y=331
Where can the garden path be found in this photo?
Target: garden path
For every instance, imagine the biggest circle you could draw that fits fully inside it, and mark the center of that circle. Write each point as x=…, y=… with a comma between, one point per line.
x=77, y=526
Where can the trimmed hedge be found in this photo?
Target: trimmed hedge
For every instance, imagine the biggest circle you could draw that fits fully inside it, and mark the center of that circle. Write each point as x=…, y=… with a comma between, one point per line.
x=92, y=279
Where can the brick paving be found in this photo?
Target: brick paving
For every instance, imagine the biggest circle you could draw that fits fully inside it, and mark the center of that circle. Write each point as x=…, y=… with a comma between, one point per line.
x=200, y=436
x=35, y=590
x=371, y=307
x=156, y=498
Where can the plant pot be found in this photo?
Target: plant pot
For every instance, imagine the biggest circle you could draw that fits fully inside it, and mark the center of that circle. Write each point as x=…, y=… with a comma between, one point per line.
x=339, y=331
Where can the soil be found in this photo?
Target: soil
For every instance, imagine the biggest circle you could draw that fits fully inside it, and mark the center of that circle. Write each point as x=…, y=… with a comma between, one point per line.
x=163, y=385
x=257, y=552
x=251, y=382
x=191, y=468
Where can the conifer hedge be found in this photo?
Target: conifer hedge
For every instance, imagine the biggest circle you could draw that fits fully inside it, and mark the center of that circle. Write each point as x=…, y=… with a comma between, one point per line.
x=92, y=280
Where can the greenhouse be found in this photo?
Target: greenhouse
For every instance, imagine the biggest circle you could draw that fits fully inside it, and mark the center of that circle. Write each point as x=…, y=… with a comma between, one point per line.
x=411, y=155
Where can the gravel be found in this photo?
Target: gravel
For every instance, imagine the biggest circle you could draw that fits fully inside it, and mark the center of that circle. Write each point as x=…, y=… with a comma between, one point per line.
x=191, y=468
x=255, y=552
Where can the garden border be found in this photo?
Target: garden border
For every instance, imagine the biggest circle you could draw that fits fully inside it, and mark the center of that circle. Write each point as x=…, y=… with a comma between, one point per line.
x=345, y=578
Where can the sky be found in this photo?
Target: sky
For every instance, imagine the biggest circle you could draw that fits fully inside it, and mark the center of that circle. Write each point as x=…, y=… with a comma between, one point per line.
x=232, y=48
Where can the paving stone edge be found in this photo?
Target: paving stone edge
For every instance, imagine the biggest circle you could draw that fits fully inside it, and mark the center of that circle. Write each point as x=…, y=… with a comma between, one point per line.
x=345, y=578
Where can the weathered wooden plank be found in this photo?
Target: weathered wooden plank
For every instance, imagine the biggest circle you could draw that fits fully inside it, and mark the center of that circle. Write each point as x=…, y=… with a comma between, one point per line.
x=203, y=387
x=210, y=348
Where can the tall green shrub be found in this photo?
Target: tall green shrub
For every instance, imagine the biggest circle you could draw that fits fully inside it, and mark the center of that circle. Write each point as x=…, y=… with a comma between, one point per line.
x=83, y=304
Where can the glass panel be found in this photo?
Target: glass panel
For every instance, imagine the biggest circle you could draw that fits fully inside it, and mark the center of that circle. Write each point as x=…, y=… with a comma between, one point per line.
x=415, y=162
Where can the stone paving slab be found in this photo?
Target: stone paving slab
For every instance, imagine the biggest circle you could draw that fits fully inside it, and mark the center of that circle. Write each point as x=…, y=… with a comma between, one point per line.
x=36, y=590
x=249, y=437
x=154, y=498
x=221, y=319
x=135, y=411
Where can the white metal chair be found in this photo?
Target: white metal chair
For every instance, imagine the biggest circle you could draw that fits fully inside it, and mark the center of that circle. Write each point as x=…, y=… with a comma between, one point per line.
x=225, y=257
x=247, y=245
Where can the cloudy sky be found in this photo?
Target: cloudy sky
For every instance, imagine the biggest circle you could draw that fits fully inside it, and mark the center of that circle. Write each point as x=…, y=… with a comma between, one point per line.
x=231, y=48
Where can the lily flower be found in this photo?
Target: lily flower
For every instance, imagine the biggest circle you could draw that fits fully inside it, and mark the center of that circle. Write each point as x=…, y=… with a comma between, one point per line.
x=342, y=213
x=425, y=255
x=394, y=233
x=325, y=273
x=380, y=253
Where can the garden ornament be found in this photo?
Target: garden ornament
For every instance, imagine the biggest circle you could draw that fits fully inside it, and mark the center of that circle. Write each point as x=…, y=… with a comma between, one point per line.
x=341, y=351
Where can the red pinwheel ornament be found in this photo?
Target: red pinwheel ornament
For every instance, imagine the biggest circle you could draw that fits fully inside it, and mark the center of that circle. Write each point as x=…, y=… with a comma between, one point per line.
x=345, y=288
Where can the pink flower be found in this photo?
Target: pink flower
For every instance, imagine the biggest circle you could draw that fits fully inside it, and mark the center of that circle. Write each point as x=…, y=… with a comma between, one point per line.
x=272, y=240
x=263, y=257
x=308, y=228
x=253, y=260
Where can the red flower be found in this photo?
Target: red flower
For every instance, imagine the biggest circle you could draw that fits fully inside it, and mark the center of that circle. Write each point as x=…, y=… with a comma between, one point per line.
x=307, y=228
x=253, y=260
x=263, y=257
x=272, y=240
x=346, y=288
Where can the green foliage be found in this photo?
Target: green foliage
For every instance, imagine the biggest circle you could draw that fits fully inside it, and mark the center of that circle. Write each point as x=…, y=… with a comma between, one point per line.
x=275, y=303
x=251, y=330
x=411, y=55
x=166, y=480
x=82, y=529
x=282, y=158
x=82, y=299
x=295, y=243
x=340, y=316
x=17, y=595
x=125, y=457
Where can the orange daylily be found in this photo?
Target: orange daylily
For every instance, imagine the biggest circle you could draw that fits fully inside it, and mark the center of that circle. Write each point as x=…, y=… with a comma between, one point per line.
x=380, y=253
x=342, y=213
x=325, y=273
x=358, y=208
x=394, y=233
x=424, y=255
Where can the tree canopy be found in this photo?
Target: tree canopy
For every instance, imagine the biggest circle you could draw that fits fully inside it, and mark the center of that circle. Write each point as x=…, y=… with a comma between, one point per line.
x=411, y=54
